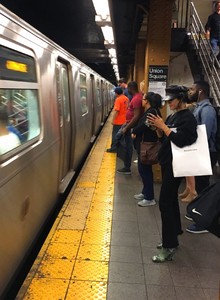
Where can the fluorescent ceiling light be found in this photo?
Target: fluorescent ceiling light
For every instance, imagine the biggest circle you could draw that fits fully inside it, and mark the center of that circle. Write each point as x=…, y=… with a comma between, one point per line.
x=114, y=61
x=108, y=34
x=112, y=52
x=103, y=19
x=101, y=8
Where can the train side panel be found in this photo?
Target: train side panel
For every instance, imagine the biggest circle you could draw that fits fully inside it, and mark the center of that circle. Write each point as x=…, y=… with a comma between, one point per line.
x=28, y=174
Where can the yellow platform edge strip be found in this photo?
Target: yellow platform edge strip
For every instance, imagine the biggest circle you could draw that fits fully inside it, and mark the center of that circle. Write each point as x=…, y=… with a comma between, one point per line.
x=74, y=260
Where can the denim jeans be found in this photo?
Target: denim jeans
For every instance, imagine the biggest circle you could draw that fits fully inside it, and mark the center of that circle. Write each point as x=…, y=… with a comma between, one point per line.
x=129, y=149
x=215, y=43
x=146, y=174
x=115, y=130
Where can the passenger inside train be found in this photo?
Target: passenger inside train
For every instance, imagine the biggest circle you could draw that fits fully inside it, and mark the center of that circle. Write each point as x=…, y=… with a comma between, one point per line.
x=8, y=139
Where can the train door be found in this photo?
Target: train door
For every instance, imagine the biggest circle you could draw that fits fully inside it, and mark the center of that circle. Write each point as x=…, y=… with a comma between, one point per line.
x=96, y=106
x=63, y=97
x=92, y=89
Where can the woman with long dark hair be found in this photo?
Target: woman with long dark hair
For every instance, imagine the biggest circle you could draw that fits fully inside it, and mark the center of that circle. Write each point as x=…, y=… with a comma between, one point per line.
x=151, y=103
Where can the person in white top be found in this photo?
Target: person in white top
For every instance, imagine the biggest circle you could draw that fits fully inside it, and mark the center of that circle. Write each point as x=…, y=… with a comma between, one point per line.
x=8, y=140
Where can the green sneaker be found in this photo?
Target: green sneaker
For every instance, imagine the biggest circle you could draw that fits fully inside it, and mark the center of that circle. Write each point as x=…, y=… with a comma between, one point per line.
x=165, y=254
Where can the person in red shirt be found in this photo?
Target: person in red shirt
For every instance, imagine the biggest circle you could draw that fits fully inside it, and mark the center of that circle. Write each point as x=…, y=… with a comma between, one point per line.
x=133, y=114
x=118, y=116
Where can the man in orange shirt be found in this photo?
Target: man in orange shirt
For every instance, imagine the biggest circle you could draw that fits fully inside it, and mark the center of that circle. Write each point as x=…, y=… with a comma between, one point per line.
x=119, y=116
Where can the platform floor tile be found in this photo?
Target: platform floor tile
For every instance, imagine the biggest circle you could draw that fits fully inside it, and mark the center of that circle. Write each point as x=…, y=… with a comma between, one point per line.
x=67, y=236
x=62, y=251
x=90, y=270
x=55, y=268
x=47, y=289
x=94, y=252
x=84, y=290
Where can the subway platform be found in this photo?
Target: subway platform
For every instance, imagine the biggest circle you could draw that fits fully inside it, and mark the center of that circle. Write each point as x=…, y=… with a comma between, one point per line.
x=100, y=246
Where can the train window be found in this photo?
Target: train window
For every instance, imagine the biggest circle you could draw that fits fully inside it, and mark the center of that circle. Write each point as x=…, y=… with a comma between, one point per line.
x=16, y=66
x=65, y=93
x=83, y=95
x=19, y=117
x=83, y=101
x=98, y=93
x=98, y=97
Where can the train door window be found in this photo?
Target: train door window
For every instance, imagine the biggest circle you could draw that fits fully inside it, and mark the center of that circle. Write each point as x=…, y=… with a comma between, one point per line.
x=65, y=93
x=19, y=104
x=83, y=95
x=63, y=97
x=98, y=97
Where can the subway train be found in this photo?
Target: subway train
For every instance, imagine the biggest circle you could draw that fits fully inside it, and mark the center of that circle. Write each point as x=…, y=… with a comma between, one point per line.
x=55, y=106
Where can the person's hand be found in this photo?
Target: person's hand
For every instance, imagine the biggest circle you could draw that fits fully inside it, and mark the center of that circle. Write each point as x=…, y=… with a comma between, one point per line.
x=123, y=130
x=133, y=136
x=207, y=34
x=156, y=121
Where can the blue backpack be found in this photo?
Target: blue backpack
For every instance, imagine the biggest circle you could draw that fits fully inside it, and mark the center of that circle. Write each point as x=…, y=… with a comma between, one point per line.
x=217, y=137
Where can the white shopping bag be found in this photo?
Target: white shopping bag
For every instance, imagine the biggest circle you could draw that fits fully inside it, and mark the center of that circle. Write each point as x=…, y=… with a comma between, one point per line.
x=193, y=160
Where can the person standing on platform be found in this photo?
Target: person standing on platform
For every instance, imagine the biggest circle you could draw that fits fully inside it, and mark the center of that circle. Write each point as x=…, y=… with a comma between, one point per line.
x=151, y=103
x=190, y=190
x=212, y=29
x=123, y=84
x=204, y=113
x=118, y=116
x=180, y=128
x=133, y=114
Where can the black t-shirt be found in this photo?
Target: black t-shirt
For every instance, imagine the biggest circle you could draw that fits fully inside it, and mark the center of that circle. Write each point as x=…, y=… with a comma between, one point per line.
x=185, y=134
x=213, y=24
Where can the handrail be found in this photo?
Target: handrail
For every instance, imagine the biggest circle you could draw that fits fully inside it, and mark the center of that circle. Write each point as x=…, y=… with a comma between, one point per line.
x=210, y=64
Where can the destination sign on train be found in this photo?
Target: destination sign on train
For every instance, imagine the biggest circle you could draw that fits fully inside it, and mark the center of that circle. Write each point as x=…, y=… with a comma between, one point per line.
x=16, y=66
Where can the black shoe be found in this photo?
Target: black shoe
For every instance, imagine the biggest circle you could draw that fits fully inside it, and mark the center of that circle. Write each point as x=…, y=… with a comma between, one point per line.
x=124, y=171
x=111, y=150
x=195, y=228
x=188, y=217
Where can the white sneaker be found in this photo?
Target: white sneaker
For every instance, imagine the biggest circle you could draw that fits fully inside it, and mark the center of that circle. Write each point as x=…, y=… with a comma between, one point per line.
x=139, y=196
x=145, y=202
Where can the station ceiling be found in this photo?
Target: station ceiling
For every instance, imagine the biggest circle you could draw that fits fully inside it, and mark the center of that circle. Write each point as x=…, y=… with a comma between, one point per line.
x=71, y=24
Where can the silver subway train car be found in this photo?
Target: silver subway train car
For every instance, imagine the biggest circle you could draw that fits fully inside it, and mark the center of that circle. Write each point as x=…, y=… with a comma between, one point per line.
x=55, y=107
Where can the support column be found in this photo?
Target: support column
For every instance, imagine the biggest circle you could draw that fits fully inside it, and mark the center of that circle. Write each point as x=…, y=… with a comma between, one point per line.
x=158, y=45
x=158, y=35
x=139, y=69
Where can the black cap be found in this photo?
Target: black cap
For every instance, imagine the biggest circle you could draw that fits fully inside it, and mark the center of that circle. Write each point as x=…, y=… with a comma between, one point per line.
x=118, y=90
x=175, y=91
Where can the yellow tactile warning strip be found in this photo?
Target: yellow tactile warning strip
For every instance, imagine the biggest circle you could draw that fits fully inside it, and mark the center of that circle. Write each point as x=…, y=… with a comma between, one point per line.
x=73, y=263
